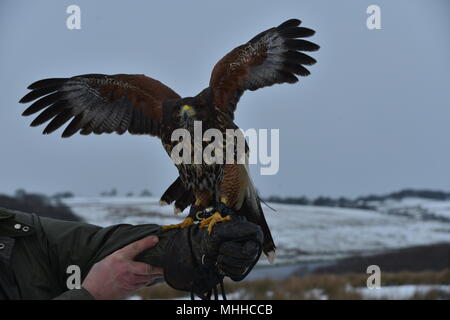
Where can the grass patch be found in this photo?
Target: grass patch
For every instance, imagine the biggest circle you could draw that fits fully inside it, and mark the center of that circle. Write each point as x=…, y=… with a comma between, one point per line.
x=313, y=287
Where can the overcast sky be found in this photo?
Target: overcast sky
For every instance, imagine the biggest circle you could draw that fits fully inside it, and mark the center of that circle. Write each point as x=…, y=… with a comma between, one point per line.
x=372, y=118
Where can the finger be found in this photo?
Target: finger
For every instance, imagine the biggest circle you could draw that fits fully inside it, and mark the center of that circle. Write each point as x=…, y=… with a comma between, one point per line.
x=247, y=250
x=132, y=280
x=230, y=248
x=148, y=281
x=232, y=267
x=155, y=281
x=141, y=268
x=232, y=271
x=157, y=271
x=138, y=279
x=133, y=249
x=234, y=261
x=239, y=229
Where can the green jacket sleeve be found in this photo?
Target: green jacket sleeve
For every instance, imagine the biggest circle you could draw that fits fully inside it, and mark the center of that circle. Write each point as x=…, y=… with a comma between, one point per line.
x=74, y=243
x=81, y=244
x=75, y=294
x=42, y=257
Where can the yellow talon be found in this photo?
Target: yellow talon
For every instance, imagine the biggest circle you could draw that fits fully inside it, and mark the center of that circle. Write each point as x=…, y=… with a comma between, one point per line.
x=186, y=223
x=212, y=220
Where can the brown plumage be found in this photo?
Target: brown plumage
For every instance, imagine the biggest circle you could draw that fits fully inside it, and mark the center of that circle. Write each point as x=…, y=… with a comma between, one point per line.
x=97, y=103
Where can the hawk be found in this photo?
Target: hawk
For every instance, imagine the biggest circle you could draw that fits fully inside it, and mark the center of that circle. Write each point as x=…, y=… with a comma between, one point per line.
x=98, y=103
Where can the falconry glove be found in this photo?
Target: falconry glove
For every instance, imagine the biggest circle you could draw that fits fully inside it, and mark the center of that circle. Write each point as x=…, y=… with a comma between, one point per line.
x=196, y=261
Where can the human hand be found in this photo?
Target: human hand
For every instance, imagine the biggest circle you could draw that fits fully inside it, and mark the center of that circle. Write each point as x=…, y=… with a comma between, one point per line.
x=118, y=276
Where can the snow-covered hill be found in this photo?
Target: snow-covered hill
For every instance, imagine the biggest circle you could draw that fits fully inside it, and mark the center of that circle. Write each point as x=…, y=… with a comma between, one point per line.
x=303, y=233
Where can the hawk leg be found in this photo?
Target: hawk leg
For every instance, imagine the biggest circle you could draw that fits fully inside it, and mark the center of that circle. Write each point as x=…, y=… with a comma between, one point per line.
x=232, y=192
x=199, y=205
x=212, y=220
x=184, y=224
x=217, y=216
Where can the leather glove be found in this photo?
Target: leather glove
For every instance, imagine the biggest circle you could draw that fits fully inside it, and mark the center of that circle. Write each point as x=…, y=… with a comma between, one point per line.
x=196, y=261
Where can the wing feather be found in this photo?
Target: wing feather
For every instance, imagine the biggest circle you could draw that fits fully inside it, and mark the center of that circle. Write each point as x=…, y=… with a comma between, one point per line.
x=273, y=56
x=97, y=103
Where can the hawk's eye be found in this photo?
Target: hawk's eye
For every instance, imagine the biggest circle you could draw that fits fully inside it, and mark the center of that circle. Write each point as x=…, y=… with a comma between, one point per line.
x=186, y=111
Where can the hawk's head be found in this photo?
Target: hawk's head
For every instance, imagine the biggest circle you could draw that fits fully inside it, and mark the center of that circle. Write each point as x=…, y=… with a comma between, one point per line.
x=190, y=109
x=186, y=112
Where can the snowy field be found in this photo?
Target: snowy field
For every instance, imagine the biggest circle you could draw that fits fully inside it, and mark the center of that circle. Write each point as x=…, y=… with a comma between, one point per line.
x=402, y=292
x=303, y=233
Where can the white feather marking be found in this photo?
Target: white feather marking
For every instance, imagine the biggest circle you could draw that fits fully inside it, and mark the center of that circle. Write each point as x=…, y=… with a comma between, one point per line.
x=271, y=255
x=176, y=210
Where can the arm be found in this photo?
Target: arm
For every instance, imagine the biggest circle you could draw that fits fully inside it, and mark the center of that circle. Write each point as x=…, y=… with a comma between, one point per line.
x=104, y=256
x=119, y=276
x=182, y=253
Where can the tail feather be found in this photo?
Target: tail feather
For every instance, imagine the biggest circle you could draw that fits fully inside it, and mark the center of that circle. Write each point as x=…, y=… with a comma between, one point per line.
x=174, y=192
x=177, y=192
x=184, y=201
x=251, y=208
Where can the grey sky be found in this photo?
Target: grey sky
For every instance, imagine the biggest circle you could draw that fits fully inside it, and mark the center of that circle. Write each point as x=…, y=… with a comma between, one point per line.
x=373, y=117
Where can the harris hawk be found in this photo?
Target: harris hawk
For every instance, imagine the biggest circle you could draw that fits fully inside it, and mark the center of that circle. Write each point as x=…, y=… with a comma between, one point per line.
x=98, y=103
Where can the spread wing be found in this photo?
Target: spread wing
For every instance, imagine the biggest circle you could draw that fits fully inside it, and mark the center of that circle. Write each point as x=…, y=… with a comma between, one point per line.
x=97, y=103
x=273, y=56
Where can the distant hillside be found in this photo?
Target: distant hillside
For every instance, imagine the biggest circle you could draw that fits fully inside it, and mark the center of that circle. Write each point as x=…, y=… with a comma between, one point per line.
x=40, y=204
x=365, y=202
x=434, y=257
x=409, y=193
